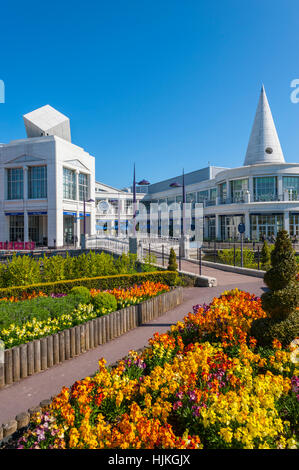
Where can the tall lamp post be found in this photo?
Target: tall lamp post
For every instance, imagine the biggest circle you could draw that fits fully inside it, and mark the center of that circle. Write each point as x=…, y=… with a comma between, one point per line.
x=83, y=239
x=176, y=184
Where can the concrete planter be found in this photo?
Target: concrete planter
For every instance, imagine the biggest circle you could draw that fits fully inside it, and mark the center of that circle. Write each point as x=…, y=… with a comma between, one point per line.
x=41, y=354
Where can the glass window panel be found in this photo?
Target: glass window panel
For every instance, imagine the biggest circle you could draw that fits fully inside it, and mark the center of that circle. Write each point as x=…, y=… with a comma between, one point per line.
x=15, y=185
x=83, y=187
x=37, y=182
x=202, y=195
x=265, y=188
x=213, y=193
x=69, y=184
x=16, y=228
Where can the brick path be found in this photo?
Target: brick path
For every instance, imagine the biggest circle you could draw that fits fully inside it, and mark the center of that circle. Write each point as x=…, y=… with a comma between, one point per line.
x=29, y=392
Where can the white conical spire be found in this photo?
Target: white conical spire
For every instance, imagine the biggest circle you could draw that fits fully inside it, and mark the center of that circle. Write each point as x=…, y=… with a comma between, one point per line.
x=264, y=145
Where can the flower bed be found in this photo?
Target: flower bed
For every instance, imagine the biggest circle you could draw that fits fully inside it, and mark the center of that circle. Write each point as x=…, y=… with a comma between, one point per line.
x=23, y=331
x=205, y=384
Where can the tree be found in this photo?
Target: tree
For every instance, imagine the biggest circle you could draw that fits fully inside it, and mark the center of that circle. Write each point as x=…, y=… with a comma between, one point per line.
x=281, y=301
x=172, y=264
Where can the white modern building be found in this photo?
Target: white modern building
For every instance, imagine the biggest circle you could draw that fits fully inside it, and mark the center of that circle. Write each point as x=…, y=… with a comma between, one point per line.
x=47, y=184
x=263, y=193
x=44, y=181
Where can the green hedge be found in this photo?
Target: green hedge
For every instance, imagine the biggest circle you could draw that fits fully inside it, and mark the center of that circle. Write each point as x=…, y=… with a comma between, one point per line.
x=100, y=282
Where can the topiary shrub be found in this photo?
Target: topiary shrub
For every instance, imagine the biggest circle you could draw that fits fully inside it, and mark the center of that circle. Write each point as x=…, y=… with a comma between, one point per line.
x=104, y=302
x=172, y=264
x=282, y=300
x=81, y=294
x=266, y=329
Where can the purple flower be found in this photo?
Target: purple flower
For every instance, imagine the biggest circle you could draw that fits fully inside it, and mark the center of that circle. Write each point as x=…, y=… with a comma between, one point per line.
x=192, y=395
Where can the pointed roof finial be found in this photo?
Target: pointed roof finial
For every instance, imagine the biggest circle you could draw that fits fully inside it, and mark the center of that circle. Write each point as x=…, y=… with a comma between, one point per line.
x=264, y=145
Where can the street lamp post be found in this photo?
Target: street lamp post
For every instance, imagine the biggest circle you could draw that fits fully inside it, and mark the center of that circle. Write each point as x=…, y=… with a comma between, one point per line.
x=83, y=240
x=133, y=239
x=183, y=240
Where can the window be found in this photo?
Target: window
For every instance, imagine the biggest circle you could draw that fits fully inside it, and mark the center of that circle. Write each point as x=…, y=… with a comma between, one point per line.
x=291, y=184
x=202, y=195
x=264, y=226
x=83, y=187
x=213, y=194
x=238, y=189
x=294, y=225
x=129, y=206
x=69, y=184
x=229, y=226
x=222, y=192
x=37, y=182
x=15, y=183
x=265, y=188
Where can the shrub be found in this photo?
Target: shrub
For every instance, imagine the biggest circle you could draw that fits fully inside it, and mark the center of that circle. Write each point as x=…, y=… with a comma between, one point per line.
x=126, y=263
x=227, y=257
x=266, y=329
x=99, y=282
x=53, y=268
x=148, y=263
x=40, y=308
x=172, y=264
x=266, y=256
x=21, y=270
x=104, y=302
x=81, y=294
x=282, y=300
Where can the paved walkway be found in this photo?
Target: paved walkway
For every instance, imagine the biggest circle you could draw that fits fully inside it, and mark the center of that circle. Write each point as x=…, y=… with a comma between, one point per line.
x=29, y=392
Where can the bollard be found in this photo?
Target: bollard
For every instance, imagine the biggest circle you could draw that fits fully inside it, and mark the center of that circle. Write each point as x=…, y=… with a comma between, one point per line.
x=44, y=353
x=67, y=343
x=30, y=358
x=37, y=356
x=16, y=363
x=55, y=349
x=23, y=361
x=8, y=361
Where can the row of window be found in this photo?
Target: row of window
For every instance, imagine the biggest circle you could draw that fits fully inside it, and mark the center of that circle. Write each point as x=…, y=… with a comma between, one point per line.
x=70, y=190
x=37, y=184
x=261, y=226
x=265, y=188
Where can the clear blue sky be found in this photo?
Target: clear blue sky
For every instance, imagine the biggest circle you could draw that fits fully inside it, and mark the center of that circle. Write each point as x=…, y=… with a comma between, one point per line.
x=165, y=83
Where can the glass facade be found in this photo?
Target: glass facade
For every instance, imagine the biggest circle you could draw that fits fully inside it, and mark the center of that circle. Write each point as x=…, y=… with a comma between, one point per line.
x=69, y=184
x=83, y=187
x=291, y=184
x=229, y=226
x=265, y=188
x=16, y=228
x=34, y=228
x=222, y=192
x=68, y=229
x=202, y=196
x=294, y=225
x=210, y=227
x=15, y=183
x=238, y=189
x=37, y=182
x=264, y=226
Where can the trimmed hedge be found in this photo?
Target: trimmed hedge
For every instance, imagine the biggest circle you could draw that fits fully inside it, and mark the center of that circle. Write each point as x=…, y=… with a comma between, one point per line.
x=100, y=282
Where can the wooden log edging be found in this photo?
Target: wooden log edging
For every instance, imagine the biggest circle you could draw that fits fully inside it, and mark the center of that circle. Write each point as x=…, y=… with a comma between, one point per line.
x=41, y=354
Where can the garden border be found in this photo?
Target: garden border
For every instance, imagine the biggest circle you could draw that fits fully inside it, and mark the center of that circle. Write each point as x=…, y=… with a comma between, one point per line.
x=41, y=354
